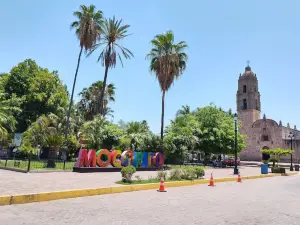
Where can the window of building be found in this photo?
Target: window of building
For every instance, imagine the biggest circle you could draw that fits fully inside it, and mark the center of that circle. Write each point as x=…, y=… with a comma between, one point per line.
x=265, y=138
x=256, y=105
x=244, y=88
x=244, y=103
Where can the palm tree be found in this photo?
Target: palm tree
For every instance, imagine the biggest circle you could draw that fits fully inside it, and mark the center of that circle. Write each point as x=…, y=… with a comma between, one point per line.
x=112, y=32
x=168, y=61
x=107, y=111
x=90, y=100
x=7, y=120
x=88, y=31
x=137, y=132
x=184, y=110
x=137, y=127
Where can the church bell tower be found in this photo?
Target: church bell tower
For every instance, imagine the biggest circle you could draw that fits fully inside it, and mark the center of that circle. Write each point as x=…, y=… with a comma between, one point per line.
x=248, y=99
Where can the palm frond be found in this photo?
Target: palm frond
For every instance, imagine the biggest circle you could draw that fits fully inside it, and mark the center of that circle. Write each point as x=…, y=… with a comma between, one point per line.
x=112, y=32
x=167, y=59
x=88, y=25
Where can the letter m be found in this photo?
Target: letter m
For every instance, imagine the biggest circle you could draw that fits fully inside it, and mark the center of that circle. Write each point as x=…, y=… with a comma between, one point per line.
x=87, y=158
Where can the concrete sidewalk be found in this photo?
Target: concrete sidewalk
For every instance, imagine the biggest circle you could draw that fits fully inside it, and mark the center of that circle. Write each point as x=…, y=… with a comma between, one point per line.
x=13, y=183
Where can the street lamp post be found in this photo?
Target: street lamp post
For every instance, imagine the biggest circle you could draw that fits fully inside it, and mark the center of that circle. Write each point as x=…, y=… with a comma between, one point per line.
x=236, y=170
x=291, y=135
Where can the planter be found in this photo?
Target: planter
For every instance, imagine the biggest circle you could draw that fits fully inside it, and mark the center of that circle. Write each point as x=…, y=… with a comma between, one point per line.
x=282, y=170
x=52, y=155
x=278, y=170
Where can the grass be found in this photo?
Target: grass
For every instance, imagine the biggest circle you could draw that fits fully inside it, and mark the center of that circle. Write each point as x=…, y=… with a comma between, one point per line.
x=36, y=165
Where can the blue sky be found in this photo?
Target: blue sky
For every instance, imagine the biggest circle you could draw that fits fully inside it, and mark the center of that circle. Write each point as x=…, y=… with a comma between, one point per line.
x=222, y=36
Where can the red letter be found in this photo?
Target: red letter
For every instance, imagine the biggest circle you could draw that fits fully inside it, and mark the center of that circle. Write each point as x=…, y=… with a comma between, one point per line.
x=159, y=159
x=87, y=159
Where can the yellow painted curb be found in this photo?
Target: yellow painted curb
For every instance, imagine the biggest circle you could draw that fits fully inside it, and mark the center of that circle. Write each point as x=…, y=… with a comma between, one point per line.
x=48, y=196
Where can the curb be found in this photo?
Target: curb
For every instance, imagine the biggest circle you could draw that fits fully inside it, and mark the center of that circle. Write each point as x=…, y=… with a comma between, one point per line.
x=48, y=196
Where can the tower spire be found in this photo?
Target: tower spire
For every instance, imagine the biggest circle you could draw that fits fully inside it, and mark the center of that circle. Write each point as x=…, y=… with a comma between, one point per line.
x=248, y=68
x=248, y=62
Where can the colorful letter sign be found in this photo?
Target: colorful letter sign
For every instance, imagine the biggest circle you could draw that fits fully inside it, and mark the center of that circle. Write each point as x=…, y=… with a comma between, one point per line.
x=117, y=158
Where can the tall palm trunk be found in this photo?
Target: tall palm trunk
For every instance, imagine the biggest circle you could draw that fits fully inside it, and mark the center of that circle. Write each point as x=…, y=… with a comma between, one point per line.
x=162, y=115
x=104, y=81
x=71, y=100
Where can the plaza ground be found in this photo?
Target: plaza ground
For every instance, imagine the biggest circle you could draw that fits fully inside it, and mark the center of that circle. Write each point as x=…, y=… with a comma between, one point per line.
x=263, y=201
x=13, y=183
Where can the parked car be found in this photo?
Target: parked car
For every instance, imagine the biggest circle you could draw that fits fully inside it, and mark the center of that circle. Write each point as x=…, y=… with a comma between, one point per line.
x=231, y=161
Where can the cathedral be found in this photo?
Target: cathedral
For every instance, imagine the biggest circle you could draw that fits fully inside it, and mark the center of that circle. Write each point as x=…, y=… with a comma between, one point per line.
x=262, y=133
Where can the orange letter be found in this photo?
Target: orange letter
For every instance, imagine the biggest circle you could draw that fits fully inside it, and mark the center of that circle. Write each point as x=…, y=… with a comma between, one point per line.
x=103, y=153
x=115, y=158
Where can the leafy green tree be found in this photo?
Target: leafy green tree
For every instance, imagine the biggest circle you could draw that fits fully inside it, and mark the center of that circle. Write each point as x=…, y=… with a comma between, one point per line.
x=135, y=132
x=34, y=137
x=101, y=134
x=112, y=32
x=277, y=152
x=217, y=129
x=90, y=100
x=135, y=127
x=150, y=143
x=208, y=129
x=138, y=137
x=88, y=31
x=42, y=92
x=48, y=131
x=184, y=110
x=168, y=61
x=182, y=137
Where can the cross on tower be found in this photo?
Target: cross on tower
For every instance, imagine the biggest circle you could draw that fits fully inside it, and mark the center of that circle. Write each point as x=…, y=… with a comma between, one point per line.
x=248, y=62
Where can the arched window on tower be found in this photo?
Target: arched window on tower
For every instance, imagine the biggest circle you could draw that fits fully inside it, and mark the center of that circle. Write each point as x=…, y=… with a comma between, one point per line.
x=244, y=89
x=256, y=105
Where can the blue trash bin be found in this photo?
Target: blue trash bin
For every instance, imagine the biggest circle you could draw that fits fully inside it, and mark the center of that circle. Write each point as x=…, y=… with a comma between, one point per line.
x=264, y=168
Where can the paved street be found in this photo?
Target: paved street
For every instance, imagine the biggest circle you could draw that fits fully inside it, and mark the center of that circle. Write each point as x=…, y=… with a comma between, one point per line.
x=20, y=183
x=263, y=201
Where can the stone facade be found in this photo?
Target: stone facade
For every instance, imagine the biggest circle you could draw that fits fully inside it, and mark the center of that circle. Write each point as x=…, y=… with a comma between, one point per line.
x=261, y=133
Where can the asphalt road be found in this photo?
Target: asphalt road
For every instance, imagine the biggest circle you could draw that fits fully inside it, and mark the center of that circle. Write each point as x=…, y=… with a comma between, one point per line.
x=264, y=201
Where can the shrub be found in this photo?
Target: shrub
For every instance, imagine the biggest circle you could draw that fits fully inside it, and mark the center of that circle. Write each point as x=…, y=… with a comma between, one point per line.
x=199, y=171
x=188, y=173
x=278, y=170
x=127, y=173
x=161, y=173
x=175, y=174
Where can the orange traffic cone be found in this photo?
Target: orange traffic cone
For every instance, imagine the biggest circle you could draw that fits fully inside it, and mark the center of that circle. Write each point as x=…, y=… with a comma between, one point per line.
x=211, y=181
x=162, y=185
x=239, y=178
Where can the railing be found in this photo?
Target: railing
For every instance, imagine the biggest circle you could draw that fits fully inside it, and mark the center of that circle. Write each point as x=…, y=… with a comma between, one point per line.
x=27, y=164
